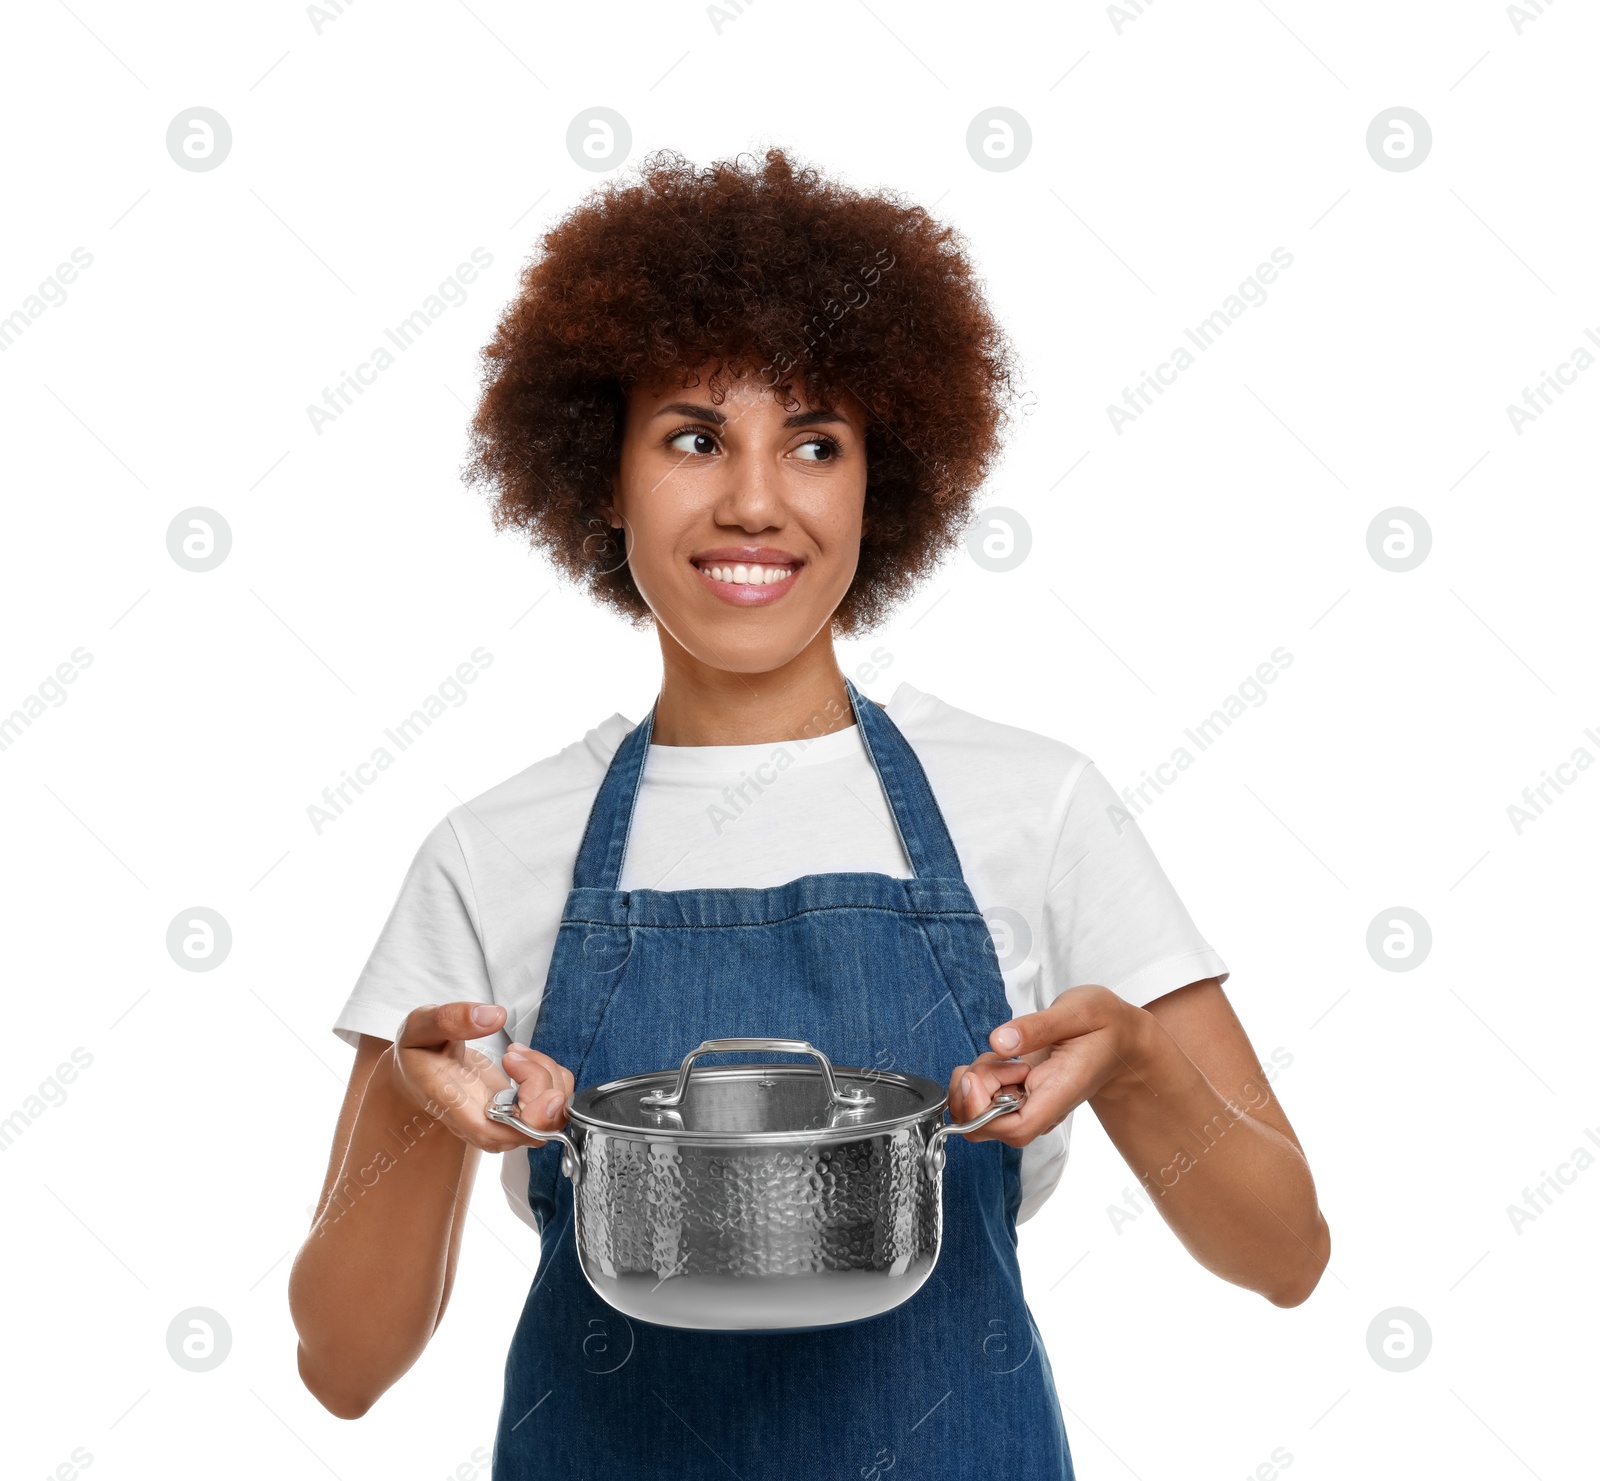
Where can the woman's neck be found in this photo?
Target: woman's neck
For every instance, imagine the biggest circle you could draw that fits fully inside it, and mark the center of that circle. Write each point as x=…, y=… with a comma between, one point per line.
x=705, y=706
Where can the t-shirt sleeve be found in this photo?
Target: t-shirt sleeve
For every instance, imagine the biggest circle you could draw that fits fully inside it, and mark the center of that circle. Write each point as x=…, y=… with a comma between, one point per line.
x=430, y=949
x=1111, y=914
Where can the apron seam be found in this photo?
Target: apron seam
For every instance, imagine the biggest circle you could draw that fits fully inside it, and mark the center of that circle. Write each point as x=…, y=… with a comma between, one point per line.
x=944, y=977
x=604, y=1009
x=776, y=920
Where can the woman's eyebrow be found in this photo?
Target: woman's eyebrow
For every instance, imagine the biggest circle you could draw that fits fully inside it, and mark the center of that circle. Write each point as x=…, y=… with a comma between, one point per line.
x=689, y=409
x=717, y=418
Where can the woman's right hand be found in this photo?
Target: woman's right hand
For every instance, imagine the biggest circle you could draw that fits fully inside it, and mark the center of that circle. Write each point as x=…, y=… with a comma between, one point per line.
x=433, y=1067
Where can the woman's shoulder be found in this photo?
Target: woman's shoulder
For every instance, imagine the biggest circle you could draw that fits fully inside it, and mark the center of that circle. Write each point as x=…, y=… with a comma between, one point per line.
x=535, y=816
x=1006, y=793
x=950, y=738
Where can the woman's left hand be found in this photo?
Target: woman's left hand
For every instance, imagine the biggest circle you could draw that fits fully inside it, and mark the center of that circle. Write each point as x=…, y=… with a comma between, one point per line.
x=1062, y=1056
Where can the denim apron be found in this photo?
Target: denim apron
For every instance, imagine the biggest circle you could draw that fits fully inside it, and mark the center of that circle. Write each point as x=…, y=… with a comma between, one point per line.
x=895, y=974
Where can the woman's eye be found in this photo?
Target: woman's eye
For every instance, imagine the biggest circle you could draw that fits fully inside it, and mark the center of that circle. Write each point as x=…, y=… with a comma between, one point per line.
x=693, y=442
x=818, y=450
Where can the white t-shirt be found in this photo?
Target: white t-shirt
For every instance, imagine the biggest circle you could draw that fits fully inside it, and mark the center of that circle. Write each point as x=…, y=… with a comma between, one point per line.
x=1072, y=893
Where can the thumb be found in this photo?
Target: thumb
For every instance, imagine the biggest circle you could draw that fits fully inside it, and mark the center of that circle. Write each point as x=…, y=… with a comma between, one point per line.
x=1023, y=1035
x=1078, y=1010
x=435, y=1025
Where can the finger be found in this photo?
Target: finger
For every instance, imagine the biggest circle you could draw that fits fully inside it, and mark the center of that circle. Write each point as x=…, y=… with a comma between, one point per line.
x=560, y=1075
x=453, y=1087
x=987, y=1057
x=987, y=1078
x=981, y=1081
x=1041, y=1112
x=542, y=1087
x=531, y=1076
x=437, y=1024
x=1079, y=1010
x=1050, y=1095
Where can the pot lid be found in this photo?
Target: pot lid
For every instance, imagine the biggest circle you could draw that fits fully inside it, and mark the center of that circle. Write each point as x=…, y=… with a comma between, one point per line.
x=759, y=1103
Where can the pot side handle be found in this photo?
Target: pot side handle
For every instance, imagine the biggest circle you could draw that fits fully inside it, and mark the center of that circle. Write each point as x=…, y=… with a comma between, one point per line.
x=933, y=1154
x=503, y=1109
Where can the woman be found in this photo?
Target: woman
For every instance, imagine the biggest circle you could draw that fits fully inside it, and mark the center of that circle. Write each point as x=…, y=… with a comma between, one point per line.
x=752, y=407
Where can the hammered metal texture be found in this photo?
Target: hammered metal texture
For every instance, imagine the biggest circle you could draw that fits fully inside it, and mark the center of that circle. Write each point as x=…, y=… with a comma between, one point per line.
x=678, y=1209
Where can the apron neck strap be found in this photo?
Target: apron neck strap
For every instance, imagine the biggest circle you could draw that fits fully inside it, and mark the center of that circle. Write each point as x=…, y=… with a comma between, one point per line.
x=923, y=833
x=917, y=817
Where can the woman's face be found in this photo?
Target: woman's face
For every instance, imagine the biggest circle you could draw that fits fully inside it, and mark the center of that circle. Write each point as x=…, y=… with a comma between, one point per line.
x=742, y=521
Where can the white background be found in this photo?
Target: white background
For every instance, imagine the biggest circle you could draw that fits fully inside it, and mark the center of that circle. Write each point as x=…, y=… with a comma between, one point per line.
x=1171, y=153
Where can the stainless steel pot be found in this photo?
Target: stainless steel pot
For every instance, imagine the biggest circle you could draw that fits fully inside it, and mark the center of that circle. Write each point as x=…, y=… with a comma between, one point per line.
x=754, y=1197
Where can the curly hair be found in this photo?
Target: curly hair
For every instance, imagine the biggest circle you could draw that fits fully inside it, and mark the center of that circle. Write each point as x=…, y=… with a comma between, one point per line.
x=744, y=265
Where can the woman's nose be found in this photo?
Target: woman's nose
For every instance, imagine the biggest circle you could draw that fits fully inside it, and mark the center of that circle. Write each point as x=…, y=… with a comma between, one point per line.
x=752, y=496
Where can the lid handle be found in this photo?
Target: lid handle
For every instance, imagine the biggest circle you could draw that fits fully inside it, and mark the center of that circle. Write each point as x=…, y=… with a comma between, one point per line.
x=849, y=1095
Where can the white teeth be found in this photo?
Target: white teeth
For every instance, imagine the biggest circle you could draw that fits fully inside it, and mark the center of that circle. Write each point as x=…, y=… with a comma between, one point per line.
x=750, y=575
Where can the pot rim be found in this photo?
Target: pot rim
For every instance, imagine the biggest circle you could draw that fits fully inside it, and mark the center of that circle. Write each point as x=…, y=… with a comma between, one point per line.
x=937, y=1099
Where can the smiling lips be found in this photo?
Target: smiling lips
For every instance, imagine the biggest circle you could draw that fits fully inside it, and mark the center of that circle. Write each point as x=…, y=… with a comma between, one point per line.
x=748, y=576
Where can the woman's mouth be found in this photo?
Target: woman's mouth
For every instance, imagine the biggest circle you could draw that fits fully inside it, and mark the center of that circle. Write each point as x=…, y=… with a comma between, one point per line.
x=748, y=578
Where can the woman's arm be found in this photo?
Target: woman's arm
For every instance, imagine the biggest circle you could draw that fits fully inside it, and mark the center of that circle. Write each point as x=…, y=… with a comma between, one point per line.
x=1183, y=1098
x=370, y=1285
